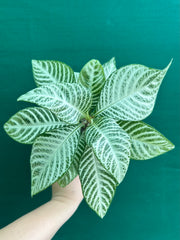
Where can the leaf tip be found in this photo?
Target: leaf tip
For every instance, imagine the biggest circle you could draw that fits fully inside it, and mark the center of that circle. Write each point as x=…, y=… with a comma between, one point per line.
x=169, y=64
x=33, y=193
x=171, y=146
x=102, y=214
x=6, y=127
x=114, y=60
x=94, y=61
x=20, y=98
x=33, y=61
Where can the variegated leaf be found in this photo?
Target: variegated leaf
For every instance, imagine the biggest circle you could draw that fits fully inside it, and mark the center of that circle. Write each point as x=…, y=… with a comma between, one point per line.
x=147, y=142
x=28, y=123
x=109, y=67
x=51, y=72
x=98, y=185
x=130, y=93
x=69, y=101
x=76, y=74
x=52, y=155
x=72, y=172
x=92, y=77
x=111, y=145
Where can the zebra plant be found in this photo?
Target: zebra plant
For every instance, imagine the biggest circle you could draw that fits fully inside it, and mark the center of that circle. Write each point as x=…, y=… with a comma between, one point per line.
x=88, y=124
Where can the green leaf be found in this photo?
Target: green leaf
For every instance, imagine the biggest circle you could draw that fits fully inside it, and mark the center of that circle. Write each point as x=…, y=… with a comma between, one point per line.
x=52, y=155
x=92, y=77
x=51, y=72
x=28, y=123
x=76, y=74
x=111, y=144
x=72, y=172
x=98, y=185
x=109, y=67
x=147, y=142
x=69, y=101
x=130, y=93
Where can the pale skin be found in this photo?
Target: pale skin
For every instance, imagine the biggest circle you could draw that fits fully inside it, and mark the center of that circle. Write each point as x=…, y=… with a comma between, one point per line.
x=44, y=222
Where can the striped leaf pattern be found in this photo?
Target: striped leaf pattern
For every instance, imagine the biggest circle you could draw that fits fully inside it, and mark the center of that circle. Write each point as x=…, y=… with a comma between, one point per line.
x=69, y=101
x=147, y=142
x=98, y=185
x=76, y=74
x=28, y=123
x=88, y=123
x=52, y=155
x=51, y=72
x=129, y=93
x=72, y=172
x=109, y=67
x=92, y=77
x=111, y=145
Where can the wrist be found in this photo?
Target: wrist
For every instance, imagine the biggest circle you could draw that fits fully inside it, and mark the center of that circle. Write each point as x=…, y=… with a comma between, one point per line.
x=66, y=201
x=64, y=207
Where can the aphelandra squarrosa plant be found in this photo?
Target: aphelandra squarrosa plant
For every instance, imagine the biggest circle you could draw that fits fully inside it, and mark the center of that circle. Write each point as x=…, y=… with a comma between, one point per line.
x=88, y=124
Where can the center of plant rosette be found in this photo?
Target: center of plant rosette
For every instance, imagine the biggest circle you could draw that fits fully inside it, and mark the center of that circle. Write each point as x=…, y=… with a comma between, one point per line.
x=86, y=122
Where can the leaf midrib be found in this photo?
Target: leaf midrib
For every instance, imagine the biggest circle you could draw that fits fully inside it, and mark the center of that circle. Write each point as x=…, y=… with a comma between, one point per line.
x=59, y=146
x=36, y=125
x=56, y=98
x=98, y=180
x=107, y=139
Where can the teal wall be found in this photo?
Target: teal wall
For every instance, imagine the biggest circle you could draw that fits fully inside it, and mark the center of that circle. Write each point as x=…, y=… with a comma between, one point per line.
x=146, y=205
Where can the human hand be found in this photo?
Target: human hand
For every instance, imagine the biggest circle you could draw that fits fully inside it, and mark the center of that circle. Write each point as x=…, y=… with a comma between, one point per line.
x=71, y=194
x=44, y=222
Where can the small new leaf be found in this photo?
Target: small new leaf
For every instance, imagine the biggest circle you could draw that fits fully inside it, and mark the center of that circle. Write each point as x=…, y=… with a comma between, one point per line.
x=146, y=142
x=109, y=67
x=92, y=77
x=76, y=74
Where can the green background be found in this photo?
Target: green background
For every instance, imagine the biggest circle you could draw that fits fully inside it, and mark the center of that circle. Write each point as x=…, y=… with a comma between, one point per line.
x=146, y=205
